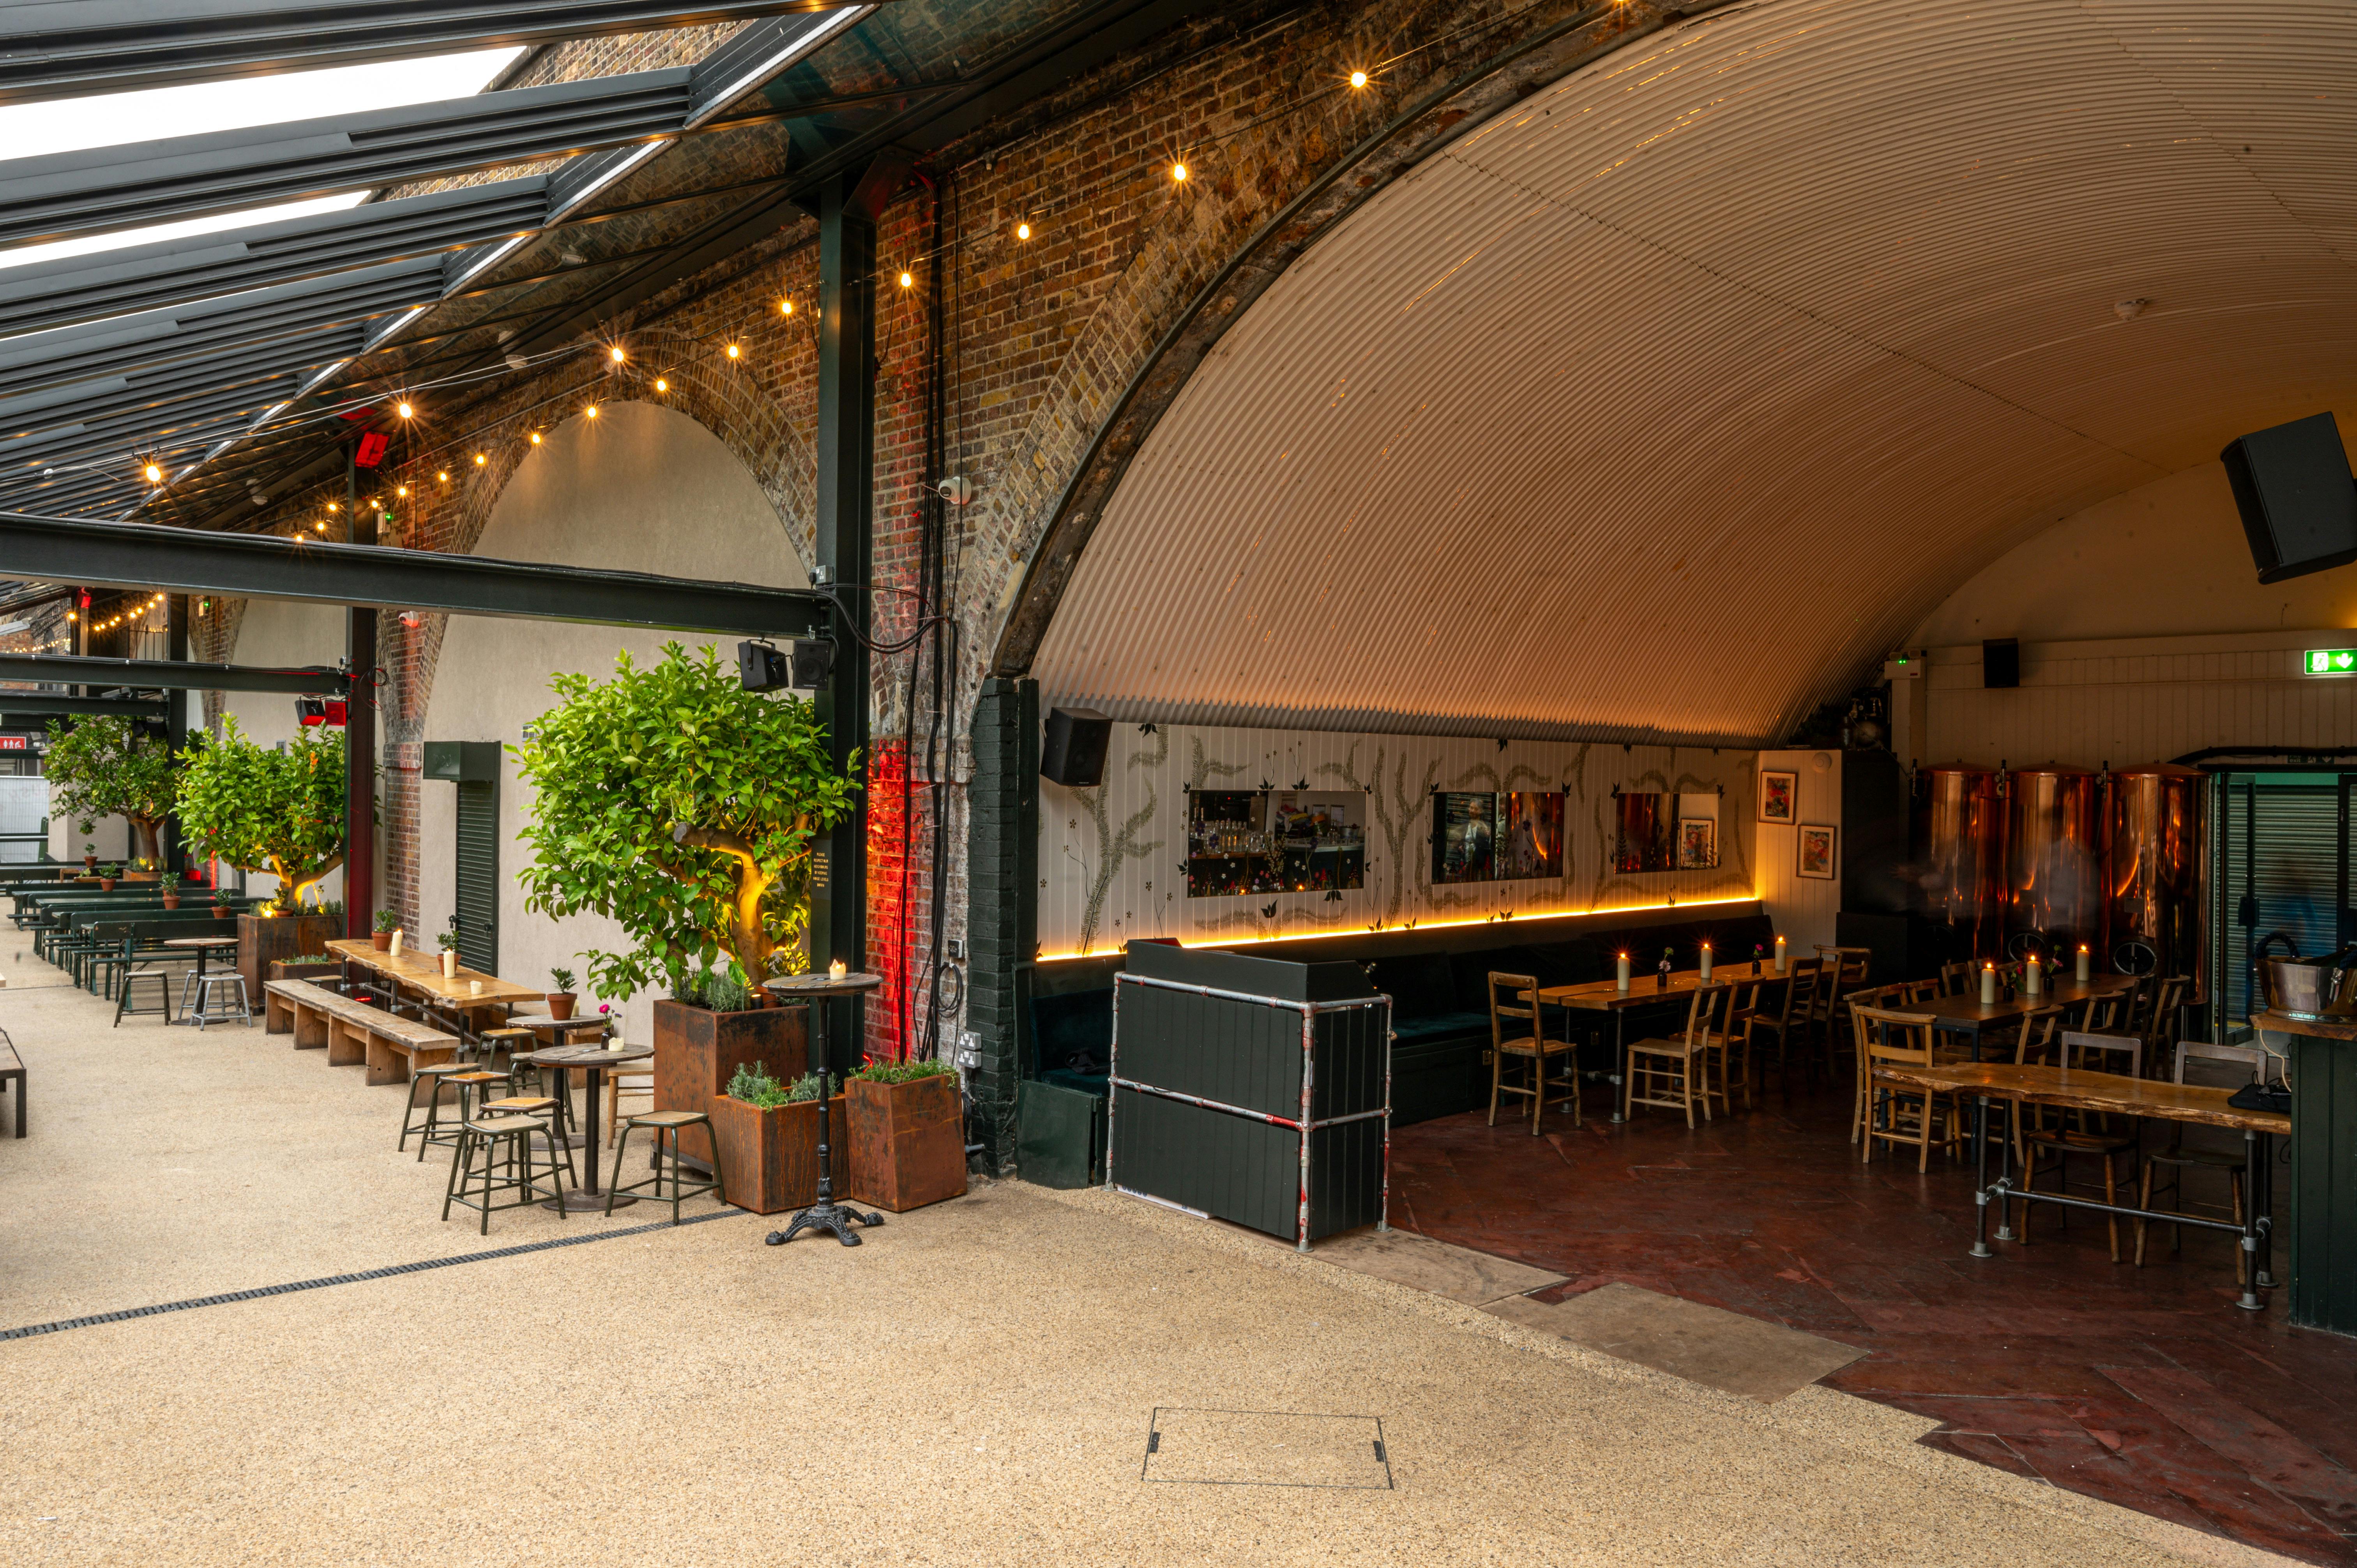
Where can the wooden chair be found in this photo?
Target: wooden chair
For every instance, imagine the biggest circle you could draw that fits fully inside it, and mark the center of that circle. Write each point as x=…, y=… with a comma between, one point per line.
x=1789, y=1011
x=1895, y=1038
x=2119, y=1053
x=2176, y=1158
x=1732, y=1051
x=2159, y=1025
x=1957, y=978
x=1508, y=1020
x=1850, y=973
x=1680, y=1064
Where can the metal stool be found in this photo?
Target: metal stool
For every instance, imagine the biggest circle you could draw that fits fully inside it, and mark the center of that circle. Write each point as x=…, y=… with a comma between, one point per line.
x=225, y=980
x=495, y=1155
x=491, y=1042
x=163, y=1007
x=437, y=1076
x=544, y=1107
x=435, y=1129
x=662, y=1122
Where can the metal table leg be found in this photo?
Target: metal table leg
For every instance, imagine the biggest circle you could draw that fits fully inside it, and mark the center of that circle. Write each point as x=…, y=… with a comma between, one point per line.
x=1980, y=1173
x=1619, y=1063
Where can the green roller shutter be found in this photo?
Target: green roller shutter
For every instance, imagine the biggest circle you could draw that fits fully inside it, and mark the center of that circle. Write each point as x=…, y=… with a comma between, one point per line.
x=479, y=875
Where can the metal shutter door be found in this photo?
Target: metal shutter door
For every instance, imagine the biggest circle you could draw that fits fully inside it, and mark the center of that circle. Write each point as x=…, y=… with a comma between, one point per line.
x=479, y=876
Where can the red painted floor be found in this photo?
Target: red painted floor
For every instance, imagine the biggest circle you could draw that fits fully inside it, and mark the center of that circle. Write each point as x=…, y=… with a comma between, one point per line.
x=2146, y=1387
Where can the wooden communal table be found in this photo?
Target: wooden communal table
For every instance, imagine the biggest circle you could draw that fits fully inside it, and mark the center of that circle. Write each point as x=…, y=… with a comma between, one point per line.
x=2116, y=1094
x=424, y=975
x=1965, y=1015
x=1646, y=991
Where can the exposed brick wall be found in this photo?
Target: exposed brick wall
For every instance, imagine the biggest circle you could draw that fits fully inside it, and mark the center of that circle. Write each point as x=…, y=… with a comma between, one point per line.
x=1042, y=338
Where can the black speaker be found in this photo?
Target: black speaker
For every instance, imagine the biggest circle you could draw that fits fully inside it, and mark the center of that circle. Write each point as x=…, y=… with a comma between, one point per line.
x=2001, y=662
x=760, y=667
x=2298, y=498
x=1074, y=755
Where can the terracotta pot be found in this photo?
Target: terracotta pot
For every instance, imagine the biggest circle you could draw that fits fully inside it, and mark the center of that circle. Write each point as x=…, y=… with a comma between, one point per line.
x=90, y=862
x=769, y=1159
x=106, y=885
x=223, y=911
x=381, y=941
x=907, y=1142
x=560, y=1003
x=171, y=900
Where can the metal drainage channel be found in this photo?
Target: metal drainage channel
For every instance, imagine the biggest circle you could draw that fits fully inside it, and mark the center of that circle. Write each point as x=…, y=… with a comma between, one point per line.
x=62, y=1325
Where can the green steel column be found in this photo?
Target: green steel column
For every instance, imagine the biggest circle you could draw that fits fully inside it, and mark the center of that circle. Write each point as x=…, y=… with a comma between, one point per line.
x=847, y=427
x=176, y=727
x=360, y=737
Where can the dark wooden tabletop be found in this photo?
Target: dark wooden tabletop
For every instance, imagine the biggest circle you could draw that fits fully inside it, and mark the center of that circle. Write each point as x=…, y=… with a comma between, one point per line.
x=586, y=1056
x=2080, y=1090
x=1606, y=996
x=1966, y=1011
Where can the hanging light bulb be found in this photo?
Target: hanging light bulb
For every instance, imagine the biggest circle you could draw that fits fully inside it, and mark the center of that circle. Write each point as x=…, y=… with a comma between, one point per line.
x=591, y=411
x=1178, y=174
x=615, y=353
x=1357, y=79
x=403, y=410
x=1023, y=231
x=785, y=307
x=906, y=279
x=661, y=385
x=155, y=474
x=734, y=352
x=535, y=437
x=480, y=461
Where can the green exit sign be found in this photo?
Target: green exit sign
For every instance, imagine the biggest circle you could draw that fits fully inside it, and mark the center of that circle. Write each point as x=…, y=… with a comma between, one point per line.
x=2330, y=662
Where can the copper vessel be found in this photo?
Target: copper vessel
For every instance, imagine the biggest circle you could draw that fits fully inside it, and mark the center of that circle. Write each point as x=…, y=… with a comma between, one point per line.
x=2054, y=869
x=2155, y=840
x=1961, y=862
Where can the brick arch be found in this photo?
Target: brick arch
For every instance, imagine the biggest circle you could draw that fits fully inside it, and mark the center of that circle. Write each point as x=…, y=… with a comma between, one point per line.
x=1187, y=289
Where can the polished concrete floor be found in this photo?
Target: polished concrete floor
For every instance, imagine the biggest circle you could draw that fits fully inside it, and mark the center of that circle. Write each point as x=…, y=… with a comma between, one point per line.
x=2144, y=1386
x=976, y=1385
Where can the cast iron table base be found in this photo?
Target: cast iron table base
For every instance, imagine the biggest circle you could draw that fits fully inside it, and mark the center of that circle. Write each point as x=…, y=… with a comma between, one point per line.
x=825, y=1214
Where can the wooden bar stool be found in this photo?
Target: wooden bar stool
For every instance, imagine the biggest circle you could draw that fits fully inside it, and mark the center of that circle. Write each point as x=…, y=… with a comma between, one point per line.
x=681, y=1189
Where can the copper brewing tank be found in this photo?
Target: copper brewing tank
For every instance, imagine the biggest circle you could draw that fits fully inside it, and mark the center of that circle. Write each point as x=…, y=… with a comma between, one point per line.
x=2155, y=833
x=2053, y=861
x=1961, y=861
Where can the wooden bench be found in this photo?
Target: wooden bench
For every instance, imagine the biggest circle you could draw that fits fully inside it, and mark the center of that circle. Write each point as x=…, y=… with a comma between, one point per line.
x=12, y=1070
x=392, y=1048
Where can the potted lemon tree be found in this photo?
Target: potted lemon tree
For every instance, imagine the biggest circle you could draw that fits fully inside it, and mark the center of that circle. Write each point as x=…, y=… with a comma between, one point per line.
x=263, y=809
x=101, y=766
x=685, y=809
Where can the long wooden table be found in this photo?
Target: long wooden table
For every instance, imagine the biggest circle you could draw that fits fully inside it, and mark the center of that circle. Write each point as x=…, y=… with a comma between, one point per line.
x=2116, y=1094
x=1965, y=1015
x=1647, y=991
x=423, y=974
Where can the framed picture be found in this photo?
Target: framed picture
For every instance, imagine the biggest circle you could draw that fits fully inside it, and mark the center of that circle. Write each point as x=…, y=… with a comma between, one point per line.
x=1816, y=853
x=1780, y=794
x=1697, y=843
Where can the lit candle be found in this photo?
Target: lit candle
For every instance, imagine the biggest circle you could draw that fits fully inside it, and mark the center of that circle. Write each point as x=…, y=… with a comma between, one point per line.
x=1988, y=985
x=398, y=935
x=2033, y=976
x=1706, y=964
x=1623, y=976
x=1779, y=955
x=2083, y=963
x=836, y=969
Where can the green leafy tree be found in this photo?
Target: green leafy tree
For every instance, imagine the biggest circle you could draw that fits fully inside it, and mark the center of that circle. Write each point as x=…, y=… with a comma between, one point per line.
x=104, y=767
x=683, y=807
x=261, y=809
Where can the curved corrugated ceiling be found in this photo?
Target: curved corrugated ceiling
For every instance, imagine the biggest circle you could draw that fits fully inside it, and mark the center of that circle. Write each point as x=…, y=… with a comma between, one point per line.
x=1668, y=401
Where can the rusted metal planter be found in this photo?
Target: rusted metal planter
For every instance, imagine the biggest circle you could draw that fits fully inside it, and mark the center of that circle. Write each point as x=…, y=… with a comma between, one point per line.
x=908, y=1143
x=769, y=1159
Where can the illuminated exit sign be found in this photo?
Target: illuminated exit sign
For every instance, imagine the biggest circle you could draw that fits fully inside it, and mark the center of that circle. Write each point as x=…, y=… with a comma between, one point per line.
x=2329, y=661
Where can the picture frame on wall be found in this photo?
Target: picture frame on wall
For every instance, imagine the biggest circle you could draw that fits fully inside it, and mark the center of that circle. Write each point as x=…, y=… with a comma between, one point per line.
x=1779, y=797
x=1697, y=843
x=1816, y=854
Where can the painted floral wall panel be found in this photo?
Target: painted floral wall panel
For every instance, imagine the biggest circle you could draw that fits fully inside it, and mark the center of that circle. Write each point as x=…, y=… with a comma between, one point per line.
x=1114, y=860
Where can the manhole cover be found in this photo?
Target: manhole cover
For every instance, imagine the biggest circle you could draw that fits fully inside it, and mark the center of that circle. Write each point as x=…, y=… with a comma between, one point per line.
x=1266, y=1448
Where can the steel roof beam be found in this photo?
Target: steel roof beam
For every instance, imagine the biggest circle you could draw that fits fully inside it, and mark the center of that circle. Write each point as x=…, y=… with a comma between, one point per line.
x=142, y=277
x=262, y=566
x=164, y=674
x=154, y=386
x=119, y=45
x=100, y=190
x=187, y=331
x=41, y=705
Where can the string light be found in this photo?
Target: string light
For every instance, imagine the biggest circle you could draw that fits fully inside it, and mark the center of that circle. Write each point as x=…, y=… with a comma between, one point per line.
x=480, y=459
x=615, y=353
x=321, y=525
x=401, y=490
x=403, y=410
x=155, y=474
x=1178, y=174
x=735, y=352
x=1357, y=79
x=906, y=280
x=661, y=385
x=591, y=411
x=331, y=506
x=535, y=437
x=785, y=307
x=1023, y=231
x=444, y=478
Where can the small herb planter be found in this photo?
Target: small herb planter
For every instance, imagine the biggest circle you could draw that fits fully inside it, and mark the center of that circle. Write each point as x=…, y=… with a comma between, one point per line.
x=907, y=1142
x=769, y=1159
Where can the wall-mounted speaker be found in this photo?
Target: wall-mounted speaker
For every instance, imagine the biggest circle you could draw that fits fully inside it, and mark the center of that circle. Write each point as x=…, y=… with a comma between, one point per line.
x=1074, y=755
x=2000, y=662
x=2298, y=498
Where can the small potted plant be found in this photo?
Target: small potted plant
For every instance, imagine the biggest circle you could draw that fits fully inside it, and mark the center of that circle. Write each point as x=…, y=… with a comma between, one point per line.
x=222, y=907
x=171, y=883
x=561, y=1000
x=766, y=1137
x=107, y=877
x=908, y=1134
x=380, y=937
x=88, y=850
x=449, y=941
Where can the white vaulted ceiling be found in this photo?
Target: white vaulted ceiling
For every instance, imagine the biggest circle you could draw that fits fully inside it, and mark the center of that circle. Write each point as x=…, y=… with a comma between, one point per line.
x=1668, y=401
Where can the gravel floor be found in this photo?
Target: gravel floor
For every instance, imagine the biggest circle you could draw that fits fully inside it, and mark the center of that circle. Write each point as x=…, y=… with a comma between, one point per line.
x=974, y=1386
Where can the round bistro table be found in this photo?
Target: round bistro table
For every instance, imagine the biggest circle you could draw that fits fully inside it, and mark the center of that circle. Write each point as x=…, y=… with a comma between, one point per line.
x=204, y=948
x=825, y=1214
x=595, y=1060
